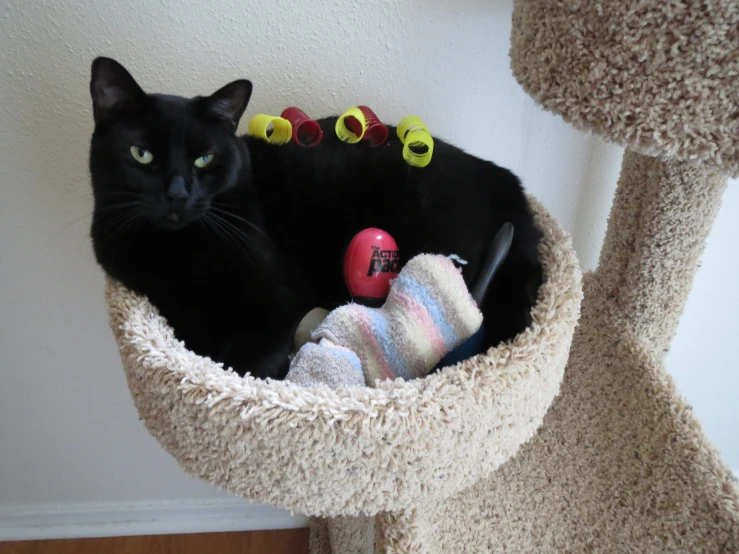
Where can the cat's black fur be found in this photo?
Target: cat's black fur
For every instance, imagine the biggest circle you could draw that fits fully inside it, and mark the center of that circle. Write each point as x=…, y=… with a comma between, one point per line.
x=258, y=235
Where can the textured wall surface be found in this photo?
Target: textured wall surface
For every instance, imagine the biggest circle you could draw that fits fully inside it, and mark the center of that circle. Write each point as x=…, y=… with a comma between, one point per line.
x=68, y=431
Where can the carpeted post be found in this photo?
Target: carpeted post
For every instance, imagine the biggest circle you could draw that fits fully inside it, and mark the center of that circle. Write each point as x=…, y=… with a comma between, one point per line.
x=661, y=217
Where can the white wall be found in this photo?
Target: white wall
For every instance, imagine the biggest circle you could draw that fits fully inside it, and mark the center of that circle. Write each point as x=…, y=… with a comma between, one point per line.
x=71, y=447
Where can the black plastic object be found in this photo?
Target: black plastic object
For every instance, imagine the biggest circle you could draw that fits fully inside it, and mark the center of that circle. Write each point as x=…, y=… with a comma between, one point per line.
x=496, y=255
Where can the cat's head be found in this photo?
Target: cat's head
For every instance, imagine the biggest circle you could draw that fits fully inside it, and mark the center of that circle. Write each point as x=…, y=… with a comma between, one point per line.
x=162, y=158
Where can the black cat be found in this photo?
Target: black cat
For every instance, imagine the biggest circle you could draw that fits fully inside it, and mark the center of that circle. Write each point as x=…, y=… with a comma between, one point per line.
x=234, y=239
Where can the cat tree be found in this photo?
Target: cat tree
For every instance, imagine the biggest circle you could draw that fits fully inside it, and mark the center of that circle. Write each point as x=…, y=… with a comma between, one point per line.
x=619, y=462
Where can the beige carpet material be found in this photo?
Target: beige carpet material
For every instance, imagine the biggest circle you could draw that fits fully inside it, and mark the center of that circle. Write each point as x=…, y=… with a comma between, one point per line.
x=352, y=534
x=661, y=217
x=621, y=463
x=354, y=450
x=657, y=76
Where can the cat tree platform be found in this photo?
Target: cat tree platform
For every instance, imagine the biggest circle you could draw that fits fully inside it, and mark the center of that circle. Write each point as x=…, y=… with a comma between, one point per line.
x=356, y=451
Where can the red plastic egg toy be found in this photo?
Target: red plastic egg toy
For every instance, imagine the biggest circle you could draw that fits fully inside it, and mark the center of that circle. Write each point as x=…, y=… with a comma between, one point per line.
x=371, y=261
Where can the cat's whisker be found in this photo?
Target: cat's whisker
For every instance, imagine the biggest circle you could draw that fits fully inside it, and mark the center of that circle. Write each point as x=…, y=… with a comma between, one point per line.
x=119, y=217
x=216, y=208
x=123, y=193
x=123, y=221
x=244, y=245
x=119, y=206
x=224, y=234
x=223, y=204
x=245, y=237
x=239, y=233
x=120, y=214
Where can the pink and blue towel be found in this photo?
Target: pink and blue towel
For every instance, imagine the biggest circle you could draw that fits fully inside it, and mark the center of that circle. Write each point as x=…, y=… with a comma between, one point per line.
x=428, y=313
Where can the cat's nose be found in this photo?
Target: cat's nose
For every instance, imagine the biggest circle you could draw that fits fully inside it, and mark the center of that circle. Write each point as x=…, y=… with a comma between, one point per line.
x=177, y=189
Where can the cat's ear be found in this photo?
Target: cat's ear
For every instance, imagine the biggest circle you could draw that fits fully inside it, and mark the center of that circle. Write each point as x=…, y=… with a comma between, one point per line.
x=228, y=103
x=113, y=90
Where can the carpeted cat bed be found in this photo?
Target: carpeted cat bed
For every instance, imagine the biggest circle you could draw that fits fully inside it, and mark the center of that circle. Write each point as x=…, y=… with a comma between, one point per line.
x=619, y=462
x=359, y=450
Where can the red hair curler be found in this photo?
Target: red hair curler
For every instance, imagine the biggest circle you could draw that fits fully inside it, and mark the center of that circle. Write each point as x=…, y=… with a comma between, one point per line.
x=376, y=133
x=372, y=130
x=306, y=131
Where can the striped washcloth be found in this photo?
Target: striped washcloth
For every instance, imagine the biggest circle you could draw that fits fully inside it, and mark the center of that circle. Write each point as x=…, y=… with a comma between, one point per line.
x=428, y=313
x=325, y=363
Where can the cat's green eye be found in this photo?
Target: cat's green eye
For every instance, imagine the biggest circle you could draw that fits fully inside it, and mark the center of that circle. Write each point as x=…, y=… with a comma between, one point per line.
x=141, y=155
x=202, y=161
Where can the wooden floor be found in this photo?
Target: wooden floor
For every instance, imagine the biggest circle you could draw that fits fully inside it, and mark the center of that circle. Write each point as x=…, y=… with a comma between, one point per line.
x=291, y=541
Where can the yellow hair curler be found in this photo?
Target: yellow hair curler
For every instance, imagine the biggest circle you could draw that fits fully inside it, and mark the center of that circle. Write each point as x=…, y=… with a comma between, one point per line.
x=418, y=148
x=275, y=130
x=409, y=124
x=418, y=144
x=351, y=135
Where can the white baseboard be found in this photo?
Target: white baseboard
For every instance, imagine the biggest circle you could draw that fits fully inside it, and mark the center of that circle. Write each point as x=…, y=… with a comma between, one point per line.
x=139, y=518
